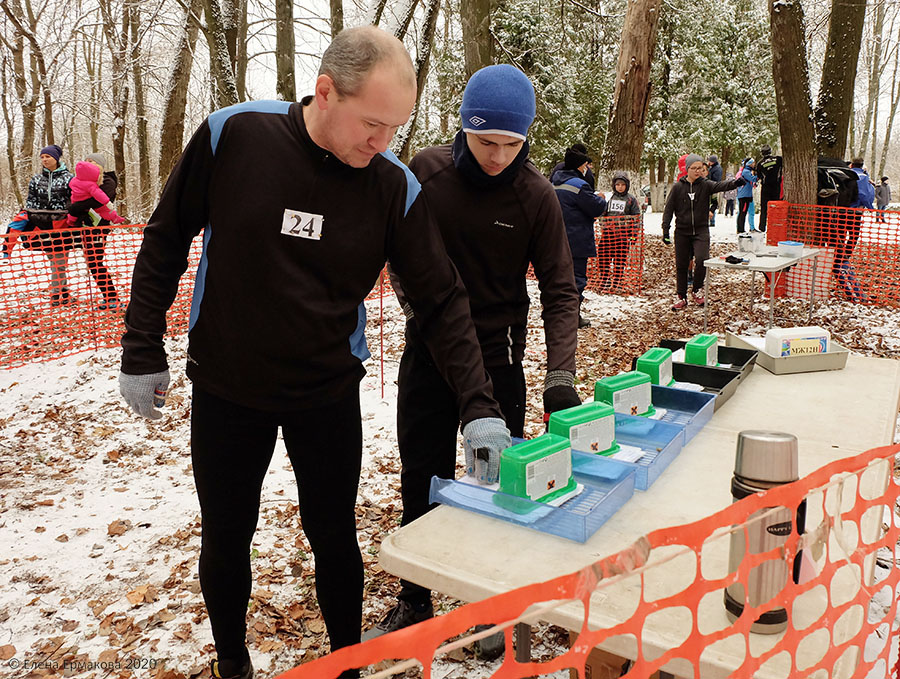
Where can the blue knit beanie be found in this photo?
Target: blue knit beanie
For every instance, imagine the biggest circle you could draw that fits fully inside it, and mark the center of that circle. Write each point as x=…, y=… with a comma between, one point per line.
x=52, y=150
x=498, y=100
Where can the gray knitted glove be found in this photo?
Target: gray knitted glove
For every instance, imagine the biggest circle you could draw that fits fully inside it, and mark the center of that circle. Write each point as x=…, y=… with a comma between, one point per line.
x=484, y=439
x=145, y=393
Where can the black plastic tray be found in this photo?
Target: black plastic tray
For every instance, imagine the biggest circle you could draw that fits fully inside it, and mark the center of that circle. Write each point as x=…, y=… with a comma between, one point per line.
x=741, y=360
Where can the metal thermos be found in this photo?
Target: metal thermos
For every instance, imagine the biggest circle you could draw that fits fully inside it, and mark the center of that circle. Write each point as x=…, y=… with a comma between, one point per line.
x=764, y=459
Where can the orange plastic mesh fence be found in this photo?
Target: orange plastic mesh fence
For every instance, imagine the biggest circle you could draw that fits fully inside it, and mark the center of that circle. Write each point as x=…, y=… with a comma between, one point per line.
x=832, y=629
x=619, y=264
x=65, y=291
x=860, y=252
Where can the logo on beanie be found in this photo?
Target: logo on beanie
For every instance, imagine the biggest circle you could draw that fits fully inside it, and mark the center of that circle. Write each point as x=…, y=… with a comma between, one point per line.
x=476, y=121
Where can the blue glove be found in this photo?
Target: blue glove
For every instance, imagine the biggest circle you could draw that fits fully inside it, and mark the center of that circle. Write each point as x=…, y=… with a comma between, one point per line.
x=484, y=439
x=145, y=393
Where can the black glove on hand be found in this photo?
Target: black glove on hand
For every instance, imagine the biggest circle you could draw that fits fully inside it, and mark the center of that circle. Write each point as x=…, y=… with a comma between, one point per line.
x=741, y=181
x=560, y=398
x=666, y=239
x=559, y=391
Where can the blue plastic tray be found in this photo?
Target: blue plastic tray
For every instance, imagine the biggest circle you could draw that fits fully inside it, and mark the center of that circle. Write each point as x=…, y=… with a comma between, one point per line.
x=690, y=409
x=661, y=442
x=607, y=486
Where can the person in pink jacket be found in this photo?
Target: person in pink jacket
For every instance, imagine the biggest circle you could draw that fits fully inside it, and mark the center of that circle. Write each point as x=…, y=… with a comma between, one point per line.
x=85, y=185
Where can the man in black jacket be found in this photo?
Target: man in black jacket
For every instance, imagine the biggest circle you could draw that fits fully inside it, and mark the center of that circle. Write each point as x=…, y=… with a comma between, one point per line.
x=497, y=214
x=688, y=201
x=276, y=337
x=715, y=175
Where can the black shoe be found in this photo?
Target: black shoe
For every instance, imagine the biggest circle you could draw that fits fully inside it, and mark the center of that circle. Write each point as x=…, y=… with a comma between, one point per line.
x=583, y=322
x=231, y=669
x=492, y=647
x=402, y=615
x=61, y=297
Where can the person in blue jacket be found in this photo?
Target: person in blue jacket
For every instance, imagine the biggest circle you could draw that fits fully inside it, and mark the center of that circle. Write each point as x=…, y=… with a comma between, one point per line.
x=745, y=193
x=866, y=197
x=580, y=206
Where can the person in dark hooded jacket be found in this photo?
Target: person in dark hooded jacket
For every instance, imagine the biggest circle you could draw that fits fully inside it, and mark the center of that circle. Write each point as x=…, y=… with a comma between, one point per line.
x=620, y=226
x=580, y=206
x=688, y=202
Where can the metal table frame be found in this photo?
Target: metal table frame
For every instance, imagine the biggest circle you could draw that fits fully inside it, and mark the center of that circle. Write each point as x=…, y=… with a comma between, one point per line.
x=765, y=262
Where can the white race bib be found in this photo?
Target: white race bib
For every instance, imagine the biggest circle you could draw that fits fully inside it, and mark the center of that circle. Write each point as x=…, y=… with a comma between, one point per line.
x=302, y=224
x=617, y=205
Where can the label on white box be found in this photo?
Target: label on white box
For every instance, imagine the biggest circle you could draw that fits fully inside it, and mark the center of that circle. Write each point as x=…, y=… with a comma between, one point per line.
x=632, y=400
x=801, y=346
x=595, y=436
x=547, y=474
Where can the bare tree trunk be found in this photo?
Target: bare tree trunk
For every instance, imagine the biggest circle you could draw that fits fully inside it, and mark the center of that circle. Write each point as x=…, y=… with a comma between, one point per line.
x=337, y=17
x=284, y=50
x=140, y=112
x=118, y=46
x=478, y=43
x=895, y=100
x=27, y=102
x=172, y=131
x=835, y=102
x=791, y=76
x=874, y=80
x=631, y=98
x=225, y=88
x=406, y=20
x=422, y=60
x=39, y=68
x=93, y=66
x=379, y=10
x=10, y=136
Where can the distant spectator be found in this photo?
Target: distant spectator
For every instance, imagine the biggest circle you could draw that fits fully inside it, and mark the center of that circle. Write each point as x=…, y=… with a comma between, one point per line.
x=618, y=232
x=47, y=201
x=745, y=192
x=714, y=175
x=86, y=184
x=93, y=238
x=588, y=174
x=580, y=206
x=730, y=198
x=688, y=203
x=769, y=170
x=882, y=197
x=866, y=196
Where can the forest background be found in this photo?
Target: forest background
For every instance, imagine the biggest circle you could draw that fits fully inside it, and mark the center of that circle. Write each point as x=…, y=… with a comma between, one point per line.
x=639, y=82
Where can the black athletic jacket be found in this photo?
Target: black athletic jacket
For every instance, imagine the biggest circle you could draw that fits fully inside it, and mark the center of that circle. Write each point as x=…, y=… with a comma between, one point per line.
x=276, y=319
x=689, y=203
x=492, y=234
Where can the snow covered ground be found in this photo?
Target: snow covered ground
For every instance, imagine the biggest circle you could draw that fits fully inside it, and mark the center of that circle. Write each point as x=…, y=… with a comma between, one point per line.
x=99, y=522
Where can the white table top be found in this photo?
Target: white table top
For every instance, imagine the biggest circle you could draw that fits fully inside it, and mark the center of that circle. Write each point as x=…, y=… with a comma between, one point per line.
x=758, y=263
x=835, y=414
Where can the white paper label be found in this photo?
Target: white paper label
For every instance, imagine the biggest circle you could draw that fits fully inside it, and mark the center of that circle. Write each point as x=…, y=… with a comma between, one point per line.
x=712, y=355
x=633, y=400
x=547, y=474
x=595, y=436
x=617, y=206
x=665, y=372
x=302, y=224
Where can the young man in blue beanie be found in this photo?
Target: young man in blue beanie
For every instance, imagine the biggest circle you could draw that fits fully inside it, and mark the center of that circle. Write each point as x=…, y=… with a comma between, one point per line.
x=497, y=214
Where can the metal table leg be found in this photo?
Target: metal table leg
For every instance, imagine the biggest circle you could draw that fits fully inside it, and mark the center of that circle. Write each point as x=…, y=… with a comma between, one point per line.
x=706, y=301
x=772, y=298
x=812, y=290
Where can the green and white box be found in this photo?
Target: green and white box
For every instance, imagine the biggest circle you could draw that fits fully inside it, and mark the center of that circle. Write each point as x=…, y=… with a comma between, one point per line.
x=627, y=393
x=539, y=469
x=590, y=427
x=702, y=350
x=657, y=363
